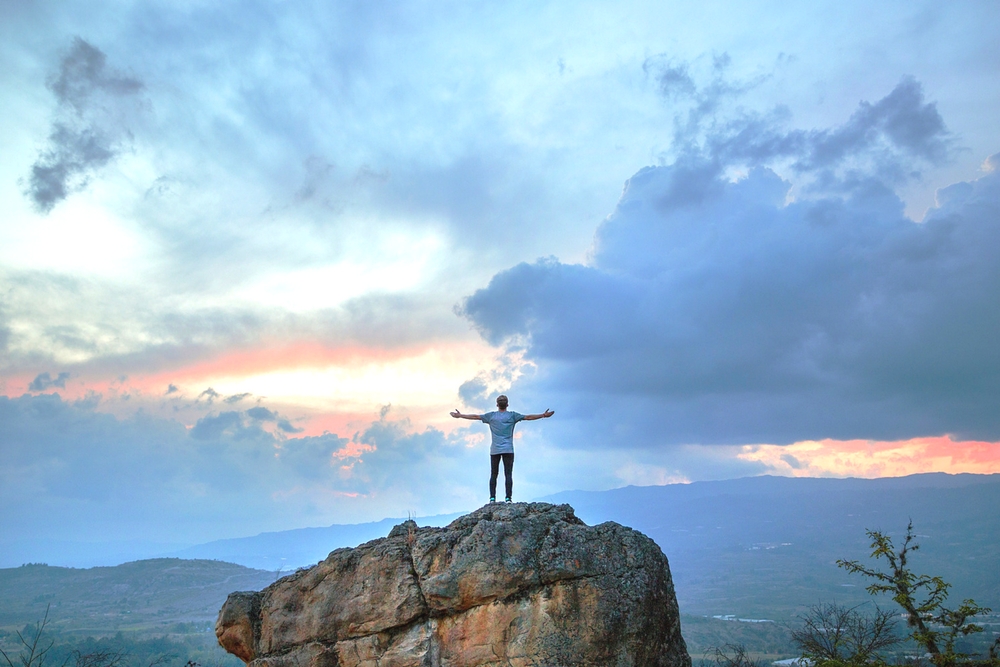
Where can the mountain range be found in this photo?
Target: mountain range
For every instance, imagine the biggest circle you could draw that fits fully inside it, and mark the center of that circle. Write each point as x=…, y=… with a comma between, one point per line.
x=753, y=547
x=760, y=548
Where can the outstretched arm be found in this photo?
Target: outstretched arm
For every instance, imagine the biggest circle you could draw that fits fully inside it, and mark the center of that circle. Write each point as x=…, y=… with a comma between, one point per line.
x=458, y=415
x=544, y=415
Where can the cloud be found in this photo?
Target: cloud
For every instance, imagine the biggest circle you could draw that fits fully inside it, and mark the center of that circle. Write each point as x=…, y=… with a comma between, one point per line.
x=699, y=107
x=674, y=79
x=230, y=424
x=105, y=329
x=90, y=400
x=426, y=463
x=901, y=120
x=263, y=414
x=482, y=389
x=91, y=128
x=4, y=330
x=729, y=311
x=286, y=426
x=474, y=391
x=68, y=472
x=865, y=458
x=894, y=136
x=84, y=74
x=242, y=425
x=45, y=381
x=889, y=139
x=307, y=142
x=209, y=395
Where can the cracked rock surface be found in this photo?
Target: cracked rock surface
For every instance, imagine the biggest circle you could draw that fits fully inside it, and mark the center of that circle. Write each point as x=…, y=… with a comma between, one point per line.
x=507, y=585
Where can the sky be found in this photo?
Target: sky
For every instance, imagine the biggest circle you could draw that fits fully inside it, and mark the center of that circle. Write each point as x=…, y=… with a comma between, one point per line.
x=252, y=254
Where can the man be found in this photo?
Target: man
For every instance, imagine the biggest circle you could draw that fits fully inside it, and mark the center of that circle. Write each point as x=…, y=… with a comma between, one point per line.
x=502, y=446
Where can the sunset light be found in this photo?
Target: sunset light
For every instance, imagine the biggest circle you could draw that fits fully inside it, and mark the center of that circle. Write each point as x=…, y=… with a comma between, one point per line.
x=865, y=458
x=269, y=266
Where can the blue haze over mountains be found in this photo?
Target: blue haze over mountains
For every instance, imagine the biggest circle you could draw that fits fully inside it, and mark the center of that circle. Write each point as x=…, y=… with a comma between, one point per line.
x=761, y=547
x=755, y=547
x=768, y=546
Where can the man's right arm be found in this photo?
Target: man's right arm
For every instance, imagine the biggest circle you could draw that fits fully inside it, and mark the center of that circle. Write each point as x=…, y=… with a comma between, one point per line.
x=458, y=415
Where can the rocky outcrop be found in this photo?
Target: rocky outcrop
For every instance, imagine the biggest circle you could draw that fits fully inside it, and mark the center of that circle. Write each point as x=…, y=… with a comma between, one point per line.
x=507, y=585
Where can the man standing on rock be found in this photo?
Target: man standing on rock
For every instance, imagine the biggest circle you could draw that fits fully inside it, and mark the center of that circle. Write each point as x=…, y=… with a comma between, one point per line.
x=502, y=446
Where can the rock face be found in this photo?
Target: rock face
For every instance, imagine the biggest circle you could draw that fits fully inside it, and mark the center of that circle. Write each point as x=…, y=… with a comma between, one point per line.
x=507, y=585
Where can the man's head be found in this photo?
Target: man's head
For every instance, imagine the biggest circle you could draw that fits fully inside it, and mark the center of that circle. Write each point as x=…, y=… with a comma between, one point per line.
x=502, y=402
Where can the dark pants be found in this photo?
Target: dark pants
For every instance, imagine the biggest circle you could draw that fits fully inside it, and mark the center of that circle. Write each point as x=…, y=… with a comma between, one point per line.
x=508, y=472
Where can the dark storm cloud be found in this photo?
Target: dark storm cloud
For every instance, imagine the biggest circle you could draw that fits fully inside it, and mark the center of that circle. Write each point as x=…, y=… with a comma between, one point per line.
x=718, y=312
x=89, y=131
x=45, y=381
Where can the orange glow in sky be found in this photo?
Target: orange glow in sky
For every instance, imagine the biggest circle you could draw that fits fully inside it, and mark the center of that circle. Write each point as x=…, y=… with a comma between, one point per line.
x=869, y=458
x=321, y=389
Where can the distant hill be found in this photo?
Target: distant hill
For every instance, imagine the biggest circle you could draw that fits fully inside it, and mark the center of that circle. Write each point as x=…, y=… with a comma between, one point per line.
x=148, y=595
x=766, y=547
x=291, y=549
x=759, y=547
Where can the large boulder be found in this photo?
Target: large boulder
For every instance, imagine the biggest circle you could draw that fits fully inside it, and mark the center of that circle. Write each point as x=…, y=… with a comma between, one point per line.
x=507, y=585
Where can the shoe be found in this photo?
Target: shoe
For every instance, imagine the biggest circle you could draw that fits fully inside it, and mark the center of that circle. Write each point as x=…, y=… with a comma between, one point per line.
x=507, y=500
x=493, y=500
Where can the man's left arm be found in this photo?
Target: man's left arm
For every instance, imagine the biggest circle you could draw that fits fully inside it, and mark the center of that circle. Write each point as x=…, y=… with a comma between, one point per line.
x=544, y=415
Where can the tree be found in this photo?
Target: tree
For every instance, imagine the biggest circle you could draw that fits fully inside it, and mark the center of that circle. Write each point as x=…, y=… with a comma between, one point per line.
x=734, y=655
x=921, y=596
x=843, y=635
x=33, y=648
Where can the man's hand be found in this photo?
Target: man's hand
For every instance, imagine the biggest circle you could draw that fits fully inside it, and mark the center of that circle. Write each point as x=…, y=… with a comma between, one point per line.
x=548, y=413
x=456, y=414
